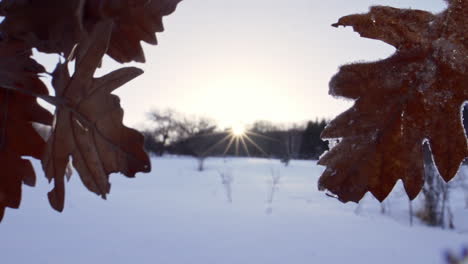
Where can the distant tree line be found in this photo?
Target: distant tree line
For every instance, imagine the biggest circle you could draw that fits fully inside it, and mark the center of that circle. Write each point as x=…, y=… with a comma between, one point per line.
x=173, y=133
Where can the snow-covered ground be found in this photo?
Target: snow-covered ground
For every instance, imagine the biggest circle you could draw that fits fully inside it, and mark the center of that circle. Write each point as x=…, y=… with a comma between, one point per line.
x=238, y=210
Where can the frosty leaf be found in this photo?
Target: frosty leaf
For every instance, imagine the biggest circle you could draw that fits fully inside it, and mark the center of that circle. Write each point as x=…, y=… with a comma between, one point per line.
x=48, y=25
x=89, y=125
x=135, y=21
x=56, y=26
x=415, y=95
x=398, y=27
x=18, y=138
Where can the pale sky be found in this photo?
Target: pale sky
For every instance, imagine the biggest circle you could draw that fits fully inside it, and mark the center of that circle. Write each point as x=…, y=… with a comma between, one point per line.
x=246, y=60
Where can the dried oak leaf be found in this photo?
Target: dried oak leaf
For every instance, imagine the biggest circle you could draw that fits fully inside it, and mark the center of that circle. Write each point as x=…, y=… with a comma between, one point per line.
x=52, y=26
x=18, y=110
x=89, y=126
x=135, y=21
x=414, y=96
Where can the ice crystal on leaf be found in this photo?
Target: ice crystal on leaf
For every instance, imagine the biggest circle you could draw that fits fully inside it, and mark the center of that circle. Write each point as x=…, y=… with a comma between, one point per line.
x=412, y=96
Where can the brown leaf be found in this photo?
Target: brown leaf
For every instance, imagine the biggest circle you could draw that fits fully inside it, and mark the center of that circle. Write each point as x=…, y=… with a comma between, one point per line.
x=135, y=21
x=52, y=26
x=18, y=138
x=56, y=26
x=413, y=96
x=398, y=27
x=17, y=69
x=89, y=125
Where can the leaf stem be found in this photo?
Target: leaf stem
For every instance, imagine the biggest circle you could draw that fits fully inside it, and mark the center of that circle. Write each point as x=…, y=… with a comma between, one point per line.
x=48, y=98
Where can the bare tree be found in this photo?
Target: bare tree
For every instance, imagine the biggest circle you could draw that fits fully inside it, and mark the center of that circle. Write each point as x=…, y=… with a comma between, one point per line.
x=199, y=140
x=226, y=181
x=462, y=178
x=172, y=130
x=165, y=128
x=292, y=141
x=275, y=181
x=263, y=126
x=436, y=209
x=193, y=126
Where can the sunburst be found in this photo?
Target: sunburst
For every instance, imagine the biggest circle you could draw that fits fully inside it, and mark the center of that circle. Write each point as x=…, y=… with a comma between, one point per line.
x=238, y=130
x=238, y=136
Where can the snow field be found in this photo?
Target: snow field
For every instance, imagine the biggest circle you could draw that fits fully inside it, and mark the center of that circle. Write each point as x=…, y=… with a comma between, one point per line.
x=239, y=210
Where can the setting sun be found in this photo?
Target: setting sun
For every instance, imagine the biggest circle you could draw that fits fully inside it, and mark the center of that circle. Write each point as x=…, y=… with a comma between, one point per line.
x=238, y=130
